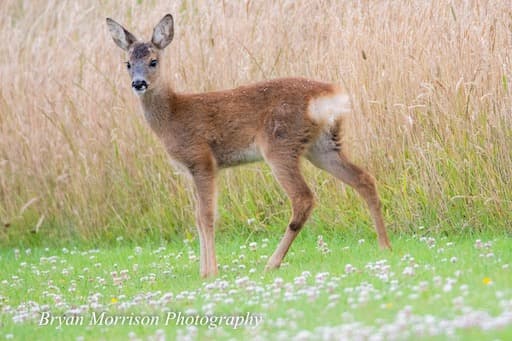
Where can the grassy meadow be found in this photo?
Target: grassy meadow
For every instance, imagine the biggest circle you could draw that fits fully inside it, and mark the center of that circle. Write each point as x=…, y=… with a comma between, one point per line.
x=84, y=184
x=332, y=288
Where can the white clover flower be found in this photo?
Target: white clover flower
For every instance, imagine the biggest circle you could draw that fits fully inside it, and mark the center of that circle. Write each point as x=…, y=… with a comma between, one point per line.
x=349, y=268
x=253, y=246
x=408, y=271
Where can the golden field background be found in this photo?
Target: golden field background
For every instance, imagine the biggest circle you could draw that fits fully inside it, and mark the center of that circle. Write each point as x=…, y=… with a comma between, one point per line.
x=432, y=115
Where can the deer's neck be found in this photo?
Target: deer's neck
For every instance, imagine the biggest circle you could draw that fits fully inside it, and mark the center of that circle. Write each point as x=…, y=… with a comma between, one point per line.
x=157, y=104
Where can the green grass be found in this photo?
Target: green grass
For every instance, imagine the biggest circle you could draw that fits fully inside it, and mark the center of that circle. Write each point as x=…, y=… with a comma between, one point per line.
x=452, y=279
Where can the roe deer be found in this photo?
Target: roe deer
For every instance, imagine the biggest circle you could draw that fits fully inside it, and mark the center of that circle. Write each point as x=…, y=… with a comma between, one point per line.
x=279, y=121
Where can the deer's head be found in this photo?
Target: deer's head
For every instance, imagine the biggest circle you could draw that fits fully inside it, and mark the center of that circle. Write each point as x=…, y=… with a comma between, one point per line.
x=143, y=56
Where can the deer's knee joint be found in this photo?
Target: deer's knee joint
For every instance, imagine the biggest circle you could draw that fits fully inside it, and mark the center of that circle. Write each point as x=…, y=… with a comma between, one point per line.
x=295, y=226
x=366, y=183
x=366, y=180
x=302, y=207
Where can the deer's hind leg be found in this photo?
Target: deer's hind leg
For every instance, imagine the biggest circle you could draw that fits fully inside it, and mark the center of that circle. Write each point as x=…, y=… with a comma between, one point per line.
x=285, y=138
x=287, y=172
x=326, y=154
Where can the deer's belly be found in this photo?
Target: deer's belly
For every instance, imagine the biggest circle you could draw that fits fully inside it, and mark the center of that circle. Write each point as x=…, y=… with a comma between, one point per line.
x=230, y=158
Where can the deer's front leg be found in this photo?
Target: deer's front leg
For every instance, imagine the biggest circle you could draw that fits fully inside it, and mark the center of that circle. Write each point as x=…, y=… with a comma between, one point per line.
x=204, y=180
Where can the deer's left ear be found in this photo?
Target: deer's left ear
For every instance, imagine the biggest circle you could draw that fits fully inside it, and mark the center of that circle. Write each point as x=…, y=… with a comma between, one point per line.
x=121, y=36
x=163, y=32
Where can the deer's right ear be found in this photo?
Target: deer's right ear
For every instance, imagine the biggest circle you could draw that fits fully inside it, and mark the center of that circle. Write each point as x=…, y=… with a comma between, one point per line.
x=121, y=36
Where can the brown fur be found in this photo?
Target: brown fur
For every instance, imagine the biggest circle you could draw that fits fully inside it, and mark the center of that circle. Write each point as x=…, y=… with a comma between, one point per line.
x=273, y=120
x=140, y=50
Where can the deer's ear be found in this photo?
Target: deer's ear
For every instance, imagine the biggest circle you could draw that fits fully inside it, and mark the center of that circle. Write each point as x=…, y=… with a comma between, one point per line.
x=163, y=32
x=122, y=37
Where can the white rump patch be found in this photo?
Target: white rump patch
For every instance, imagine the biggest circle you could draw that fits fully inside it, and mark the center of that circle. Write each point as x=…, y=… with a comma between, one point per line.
x=328, y=109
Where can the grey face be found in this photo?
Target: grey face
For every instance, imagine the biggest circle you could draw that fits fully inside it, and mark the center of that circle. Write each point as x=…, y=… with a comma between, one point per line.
x=142, y=66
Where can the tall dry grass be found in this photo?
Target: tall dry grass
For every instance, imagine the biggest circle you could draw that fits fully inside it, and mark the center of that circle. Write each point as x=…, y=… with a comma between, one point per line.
x=429, y=80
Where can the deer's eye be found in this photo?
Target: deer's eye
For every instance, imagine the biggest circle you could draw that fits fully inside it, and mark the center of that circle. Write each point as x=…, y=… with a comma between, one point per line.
x=153, y=63
x=128, y=65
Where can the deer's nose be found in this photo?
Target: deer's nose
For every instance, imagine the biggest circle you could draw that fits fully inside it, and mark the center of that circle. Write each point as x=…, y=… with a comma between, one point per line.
x=139, y=85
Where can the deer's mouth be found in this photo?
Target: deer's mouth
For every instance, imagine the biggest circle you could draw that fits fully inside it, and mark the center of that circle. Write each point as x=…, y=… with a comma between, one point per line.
x=139, y=91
